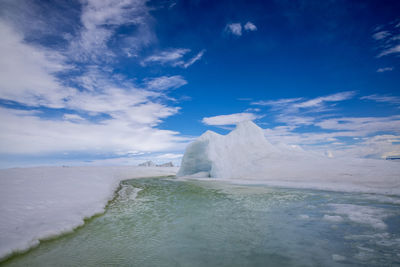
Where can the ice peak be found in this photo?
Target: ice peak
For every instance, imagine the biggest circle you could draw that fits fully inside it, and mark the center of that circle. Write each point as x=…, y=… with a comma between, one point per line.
x=248, y=129
x=247, y=126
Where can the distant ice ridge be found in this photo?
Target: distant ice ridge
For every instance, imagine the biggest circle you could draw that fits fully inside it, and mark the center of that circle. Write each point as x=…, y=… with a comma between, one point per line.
x=38, y=203
x=245, y=155
x=152, y=164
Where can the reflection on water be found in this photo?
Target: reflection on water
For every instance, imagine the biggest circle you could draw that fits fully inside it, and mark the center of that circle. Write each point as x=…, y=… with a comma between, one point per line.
x=161, y=222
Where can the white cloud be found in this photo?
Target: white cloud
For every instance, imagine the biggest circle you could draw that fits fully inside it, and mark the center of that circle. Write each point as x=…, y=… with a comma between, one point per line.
x=72, y=117
x=320, y=100
x=117, y=116
x=384, y=69
x=165, y=82
x=229, y=119
x=27, y=71
x=174, y=57
x=100, y=19
x=249, y=26
x=340, y=136
x=387, y=40
x=237, y=29
x=297, y=120
x=191, y=61
x=363, y=125
x=277, y=103
x=171, y=56
x=383, y=98
x=234, y=28
x=366, y=142
x=381, y=35
x=391, y=50
x=170, y=156
x=294, y=110
x=43, y=136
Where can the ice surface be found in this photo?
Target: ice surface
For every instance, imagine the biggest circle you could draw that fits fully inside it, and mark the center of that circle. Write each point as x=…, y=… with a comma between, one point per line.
x=38, y=203
x=370, y=216
x=332, y=218
x=337, y=257
x=245, y=155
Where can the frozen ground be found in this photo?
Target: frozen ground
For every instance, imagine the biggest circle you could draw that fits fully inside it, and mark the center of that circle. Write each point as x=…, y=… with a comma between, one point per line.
x=39, y=203
x=245, y=155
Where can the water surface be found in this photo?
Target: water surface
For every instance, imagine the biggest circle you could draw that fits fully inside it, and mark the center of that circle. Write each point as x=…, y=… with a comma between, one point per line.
x=165, y=222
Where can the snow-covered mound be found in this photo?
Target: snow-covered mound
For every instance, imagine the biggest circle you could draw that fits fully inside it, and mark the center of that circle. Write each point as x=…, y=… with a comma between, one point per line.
x=167, y=164
x=245, y=154
x=38, y=203
x=148, y=163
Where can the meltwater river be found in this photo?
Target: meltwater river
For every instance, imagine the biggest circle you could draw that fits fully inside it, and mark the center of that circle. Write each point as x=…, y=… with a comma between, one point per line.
x=167, y=222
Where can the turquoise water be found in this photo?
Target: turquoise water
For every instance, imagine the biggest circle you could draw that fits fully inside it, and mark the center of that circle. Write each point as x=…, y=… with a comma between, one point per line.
x=165, y=222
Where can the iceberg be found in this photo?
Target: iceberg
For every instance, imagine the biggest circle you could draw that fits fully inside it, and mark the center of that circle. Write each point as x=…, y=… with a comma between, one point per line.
x=227, y=156
x=245, y=155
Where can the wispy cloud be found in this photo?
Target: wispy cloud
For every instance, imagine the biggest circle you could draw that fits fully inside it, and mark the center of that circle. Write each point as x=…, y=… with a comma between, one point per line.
x=391, y=50
x=383, y=99
x=191, y=61
x=384, y=69
x=296, y=112
x=388, y=40
x=319, y=101
x=277, y=103
x=28, y=71
x=101, y=19
x=165, y=82
x=171, y=56
x=230, y=119
x=174, y=57
x=362, y=143
x=314, y=124
x=381, y=35
x=289, y=105
x=363, y=125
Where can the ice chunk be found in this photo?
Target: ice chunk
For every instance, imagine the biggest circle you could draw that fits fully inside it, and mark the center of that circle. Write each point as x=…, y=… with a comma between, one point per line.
x=227, y=156
x=246, y=155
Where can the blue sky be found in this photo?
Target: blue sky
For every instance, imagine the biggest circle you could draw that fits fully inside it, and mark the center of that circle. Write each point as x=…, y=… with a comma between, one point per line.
x=119, y=82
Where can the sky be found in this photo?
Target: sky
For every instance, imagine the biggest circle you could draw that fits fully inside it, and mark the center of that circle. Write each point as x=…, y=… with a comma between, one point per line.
x=120, y=82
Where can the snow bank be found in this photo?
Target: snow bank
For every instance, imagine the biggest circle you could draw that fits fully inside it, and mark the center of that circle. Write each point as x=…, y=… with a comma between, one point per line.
x=244, y=155
x=38, y=203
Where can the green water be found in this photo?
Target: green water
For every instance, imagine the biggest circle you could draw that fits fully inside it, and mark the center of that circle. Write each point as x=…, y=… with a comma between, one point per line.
x=192, y=223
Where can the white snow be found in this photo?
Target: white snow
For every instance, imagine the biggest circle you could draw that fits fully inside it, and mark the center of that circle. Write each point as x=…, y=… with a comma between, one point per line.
x=245, y=156
x=39, y=203
x=370, y=216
